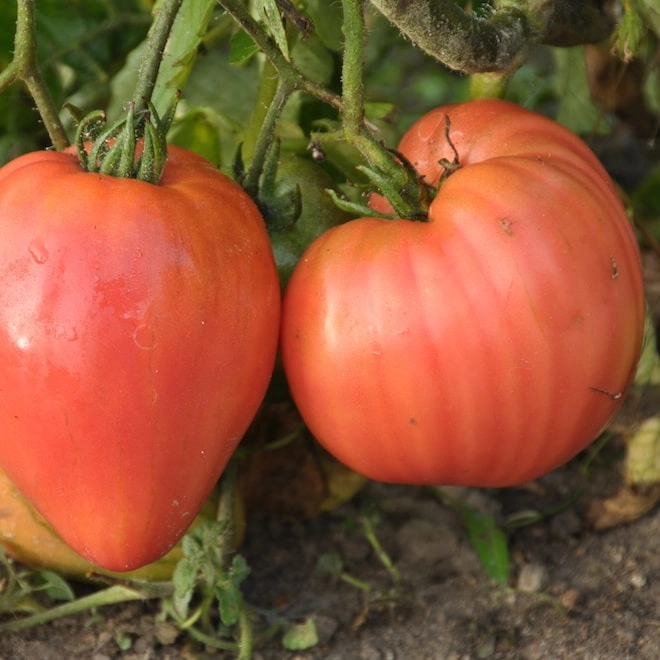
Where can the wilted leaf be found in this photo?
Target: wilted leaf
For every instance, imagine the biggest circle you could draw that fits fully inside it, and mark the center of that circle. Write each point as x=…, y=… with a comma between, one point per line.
x=626, y=506
x=301, y=636
x=642, y=465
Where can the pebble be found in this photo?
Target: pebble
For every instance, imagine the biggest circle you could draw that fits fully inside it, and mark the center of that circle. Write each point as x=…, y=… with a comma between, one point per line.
x=532, y=578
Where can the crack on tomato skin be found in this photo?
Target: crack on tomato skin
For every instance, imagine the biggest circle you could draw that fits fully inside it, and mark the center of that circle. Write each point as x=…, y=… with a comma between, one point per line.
x=614, y=397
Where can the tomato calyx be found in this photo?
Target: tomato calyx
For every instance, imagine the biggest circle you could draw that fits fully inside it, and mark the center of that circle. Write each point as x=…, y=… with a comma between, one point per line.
x=417, y=210
x=134, y=147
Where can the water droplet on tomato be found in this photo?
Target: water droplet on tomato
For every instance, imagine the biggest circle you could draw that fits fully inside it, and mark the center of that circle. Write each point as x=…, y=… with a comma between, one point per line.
x=145, y=337
x=38, y=251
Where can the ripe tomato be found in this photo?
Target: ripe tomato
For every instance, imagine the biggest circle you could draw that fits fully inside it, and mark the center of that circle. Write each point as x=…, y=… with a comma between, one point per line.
x=138, y=332
x=488, y=345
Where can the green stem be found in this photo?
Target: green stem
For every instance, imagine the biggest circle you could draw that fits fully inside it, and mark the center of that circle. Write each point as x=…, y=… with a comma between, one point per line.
x=110, y=596
x=24, y=67
x=353, y=68
x=402, y=188
x=265, y=139
x=370, y=534
x=136, y=145
x=246, y=638
x=155, y=47
x=268, y=84
x=286, y=69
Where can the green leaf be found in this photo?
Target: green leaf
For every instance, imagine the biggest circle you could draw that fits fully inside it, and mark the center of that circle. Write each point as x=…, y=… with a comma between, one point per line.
x=489, y=542
x=328, y=18
x=314, y=60
x=330, y=562
x=239, y=569
x=648, y=361
x=230, y=603
x=301, y=636
x=576, y=109
x=7, y=25
x=184, y=579
x=242, y=47
x=197, y=132
x=273, y=19
x=187, y=33
x=56, y=586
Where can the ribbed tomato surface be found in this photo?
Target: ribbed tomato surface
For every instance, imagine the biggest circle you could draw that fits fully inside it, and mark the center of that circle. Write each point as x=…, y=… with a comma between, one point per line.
x=488, y=345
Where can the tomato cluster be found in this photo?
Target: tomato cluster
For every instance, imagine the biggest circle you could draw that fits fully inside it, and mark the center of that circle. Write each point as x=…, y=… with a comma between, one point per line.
x=139, y=326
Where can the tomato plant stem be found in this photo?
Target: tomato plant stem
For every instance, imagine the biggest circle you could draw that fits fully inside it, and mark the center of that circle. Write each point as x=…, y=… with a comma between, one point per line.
x=110, y=596
x=353, y=67
x=24, y=67
x=268, y=84
x=284, y=67
x=265, y=137
x=401, y=187
x=370, y=534
x=155, y=47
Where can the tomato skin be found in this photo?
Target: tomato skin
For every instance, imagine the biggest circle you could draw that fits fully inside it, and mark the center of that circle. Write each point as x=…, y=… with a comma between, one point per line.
x=487, y=346
x=138, y=332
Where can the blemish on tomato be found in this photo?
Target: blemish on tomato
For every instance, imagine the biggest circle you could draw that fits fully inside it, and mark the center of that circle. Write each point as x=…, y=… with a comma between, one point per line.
x=507, y=226
x=615, y=268
x=38, y=251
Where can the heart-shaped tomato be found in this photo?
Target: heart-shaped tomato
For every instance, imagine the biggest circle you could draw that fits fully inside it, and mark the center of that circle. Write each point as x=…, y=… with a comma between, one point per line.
x=138, y=332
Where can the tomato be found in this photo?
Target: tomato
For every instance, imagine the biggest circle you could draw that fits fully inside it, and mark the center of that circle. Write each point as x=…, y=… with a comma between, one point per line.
x=138, y=332
x=25, y=536
x=486, y=346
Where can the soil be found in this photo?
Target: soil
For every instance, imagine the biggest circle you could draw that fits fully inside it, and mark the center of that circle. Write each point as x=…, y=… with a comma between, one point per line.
x=575, y=591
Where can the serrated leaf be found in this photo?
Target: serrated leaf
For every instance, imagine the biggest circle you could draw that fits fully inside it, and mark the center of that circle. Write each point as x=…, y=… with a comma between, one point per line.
x=184, y=579
x=191, y=545
x=239, y=569
x=301, y=636
x=629, y=34
x=489, y=542
x=230, y=603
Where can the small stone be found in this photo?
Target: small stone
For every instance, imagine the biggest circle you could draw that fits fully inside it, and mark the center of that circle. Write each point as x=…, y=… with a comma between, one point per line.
x=532, y=578
x=638, y=580
x=569, y=599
